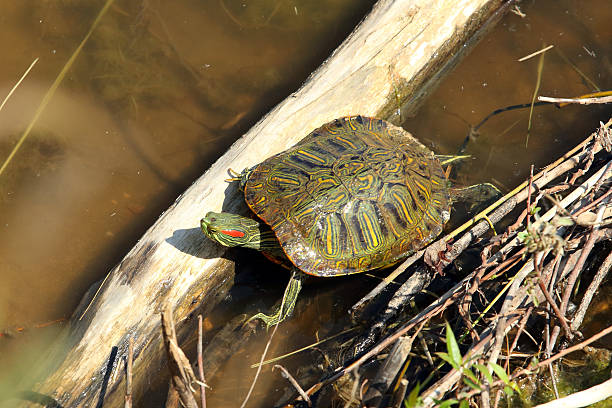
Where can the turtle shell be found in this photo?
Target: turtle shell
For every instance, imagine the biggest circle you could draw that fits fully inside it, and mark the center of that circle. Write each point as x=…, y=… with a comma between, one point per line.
x=355, y=194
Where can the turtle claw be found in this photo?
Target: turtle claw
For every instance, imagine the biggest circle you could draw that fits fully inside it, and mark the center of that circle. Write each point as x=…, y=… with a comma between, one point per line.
x=234, y=176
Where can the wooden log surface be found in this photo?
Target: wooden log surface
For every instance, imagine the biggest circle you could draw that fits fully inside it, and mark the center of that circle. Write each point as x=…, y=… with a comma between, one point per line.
x=400, y=51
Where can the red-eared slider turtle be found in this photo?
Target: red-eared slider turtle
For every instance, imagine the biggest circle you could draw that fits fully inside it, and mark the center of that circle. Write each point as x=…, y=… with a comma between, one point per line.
x=355, y=194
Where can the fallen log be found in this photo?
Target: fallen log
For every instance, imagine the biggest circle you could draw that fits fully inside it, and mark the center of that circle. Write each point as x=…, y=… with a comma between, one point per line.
x=398, y=53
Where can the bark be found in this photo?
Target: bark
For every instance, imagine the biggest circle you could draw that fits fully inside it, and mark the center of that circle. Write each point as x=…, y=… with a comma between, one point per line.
x=398, y=53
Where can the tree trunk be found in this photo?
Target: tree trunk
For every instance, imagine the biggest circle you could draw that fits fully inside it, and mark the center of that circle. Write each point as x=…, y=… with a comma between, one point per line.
x=398, y=53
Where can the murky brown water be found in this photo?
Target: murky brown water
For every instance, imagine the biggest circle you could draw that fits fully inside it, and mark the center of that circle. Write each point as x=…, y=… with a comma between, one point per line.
x=491, y=78
x=159, y=92
x=162, y=88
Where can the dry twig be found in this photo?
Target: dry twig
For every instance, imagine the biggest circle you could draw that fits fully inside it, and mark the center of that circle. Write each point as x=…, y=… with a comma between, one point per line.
x=581, y=101
x=182, y=375
x=388, y=371
x=201, y=365
x=293, y=382
x=533, y=54
x=25, y=74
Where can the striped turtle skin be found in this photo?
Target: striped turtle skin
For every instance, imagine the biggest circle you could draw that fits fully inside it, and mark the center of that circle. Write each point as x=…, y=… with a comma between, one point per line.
x=356, y=194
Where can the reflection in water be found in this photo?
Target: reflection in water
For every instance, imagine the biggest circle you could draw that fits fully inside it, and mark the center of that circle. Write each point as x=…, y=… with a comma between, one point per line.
x=163, y=88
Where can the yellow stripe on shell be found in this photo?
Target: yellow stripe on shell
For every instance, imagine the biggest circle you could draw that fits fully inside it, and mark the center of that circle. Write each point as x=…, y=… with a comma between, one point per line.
x=348, y=142
x=403, y=206
x=330, y=233
x=368, y=178
x=379, y=154
x=350, y=122
x=311, y=156
x=261, y=200
x=393, y=167
x=285, y=180
x=377, y=137
x=326, y=180
x=370, y=123
x=431, y=217
x=371, y=235
x=423, y=188
x=415, y=199
x=304, y=212
x=420, y=232
x=394, y=230
x=331, y=129
x=363, y=262
x=337, y=199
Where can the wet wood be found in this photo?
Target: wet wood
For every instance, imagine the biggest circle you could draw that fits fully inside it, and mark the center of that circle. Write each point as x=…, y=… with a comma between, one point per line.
x=388, y=371
x=398, y=53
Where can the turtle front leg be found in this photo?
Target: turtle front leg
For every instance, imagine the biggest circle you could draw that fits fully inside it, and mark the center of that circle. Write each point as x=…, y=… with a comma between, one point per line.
x=287, y=303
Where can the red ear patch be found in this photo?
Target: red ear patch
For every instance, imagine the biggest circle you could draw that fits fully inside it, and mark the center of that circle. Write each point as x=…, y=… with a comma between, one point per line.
x=233, y=233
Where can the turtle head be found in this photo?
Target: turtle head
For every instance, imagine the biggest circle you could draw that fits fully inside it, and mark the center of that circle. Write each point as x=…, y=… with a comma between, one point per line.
x=229, y=229
x=233, y=230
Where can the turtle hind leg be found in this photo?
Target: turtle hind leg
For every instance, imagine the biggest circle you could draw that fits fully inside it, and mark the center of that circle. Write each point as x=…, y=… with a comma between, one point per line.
x=287, y=303
x=475, y=196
